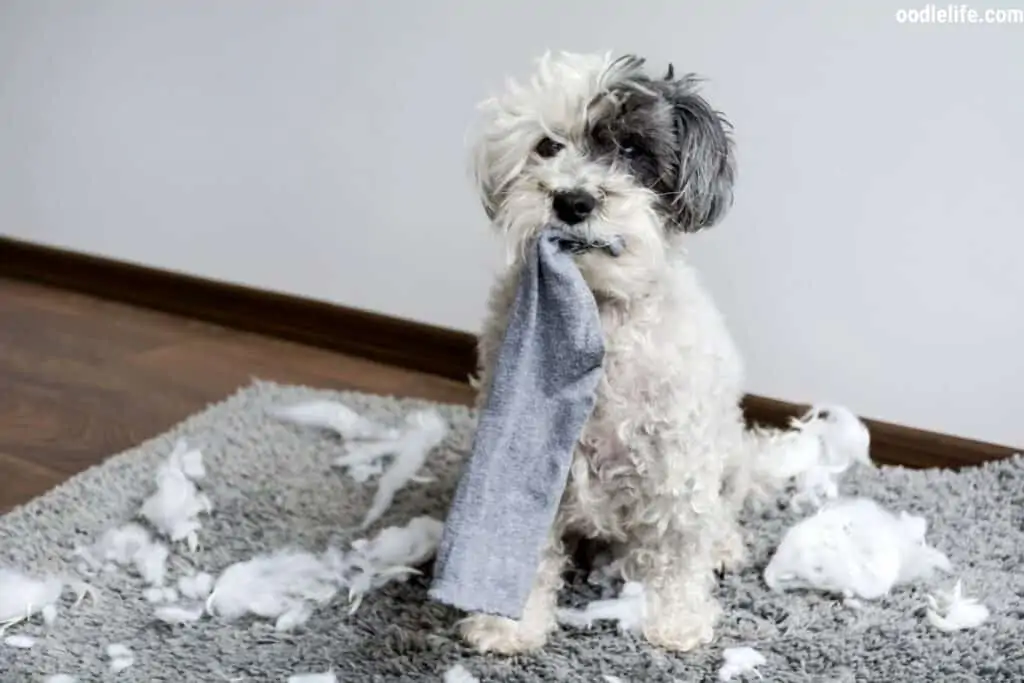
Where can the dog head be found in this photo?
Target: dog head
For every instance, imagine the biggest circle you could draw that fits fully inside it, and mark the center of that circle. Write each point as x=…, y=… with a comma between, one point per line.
x=599, y=146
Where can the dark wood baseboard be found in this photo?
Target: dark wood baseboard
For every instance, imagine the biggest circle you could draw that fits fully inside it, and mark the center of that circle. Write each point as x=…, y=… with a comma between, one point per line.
x=402, y=343
x=360, y=333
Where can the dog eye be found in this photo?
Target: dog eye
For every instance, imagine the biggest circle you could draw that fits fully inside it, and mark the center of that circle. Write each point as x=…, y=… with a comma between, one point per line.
x=548, y=148
x=630, y=147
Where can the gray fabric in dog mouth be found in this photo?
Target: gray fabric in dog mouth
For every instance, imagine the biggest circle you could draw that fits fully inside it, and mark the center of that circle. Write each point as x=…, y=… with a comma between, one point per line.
x=577, y=244
x=542, y=392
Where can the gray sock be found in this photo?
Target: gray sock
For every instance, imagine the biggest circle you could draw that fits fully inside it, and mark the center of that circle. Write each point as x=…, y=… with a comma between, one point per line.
x=542, y=393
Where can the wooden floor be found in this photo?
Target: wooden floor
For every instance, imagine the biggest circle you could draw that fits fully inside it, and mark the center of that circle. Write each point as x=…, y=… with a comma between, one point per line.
x=82, y=379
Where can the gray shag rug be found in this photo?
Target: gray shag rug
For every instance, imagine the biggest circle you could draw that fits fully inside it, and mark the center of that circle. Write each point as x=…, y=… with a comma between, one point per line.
x=272, y=486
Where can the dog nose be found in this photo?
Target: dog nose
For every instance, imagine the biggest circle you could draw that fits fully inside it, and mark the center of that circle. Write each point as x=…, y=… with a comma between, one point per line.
x=573, y=206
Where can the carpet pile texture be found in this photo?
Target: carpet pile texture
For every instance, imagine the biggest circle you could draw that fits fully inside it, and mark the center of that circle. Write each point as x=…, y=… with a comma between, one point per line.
x=272, y=486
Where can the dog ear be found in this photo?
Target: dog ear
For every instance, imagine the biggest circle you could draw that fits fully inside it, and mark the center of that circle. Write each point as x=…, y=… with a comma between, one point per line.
x=705, y=168
x=491, y=163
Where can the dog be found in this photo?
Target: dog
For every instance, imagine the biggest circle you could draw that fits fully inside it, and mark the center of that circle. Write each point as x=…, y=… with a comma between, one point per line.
x=597, y=145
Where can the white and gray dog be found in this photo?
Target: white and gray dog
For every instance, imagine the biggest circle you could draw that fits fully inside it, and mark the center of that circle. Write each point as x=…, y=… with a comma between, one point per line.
x=599, y=146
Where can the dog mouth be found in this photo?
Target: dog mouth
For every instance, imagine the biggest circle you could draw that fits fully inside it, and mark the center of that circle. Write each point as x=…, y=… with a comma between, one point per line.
x=577, y=242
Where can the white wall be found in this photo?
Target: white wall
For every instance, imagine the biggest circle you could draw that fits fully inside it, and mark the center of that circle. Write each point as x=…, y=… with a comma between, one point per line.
x=316, y=147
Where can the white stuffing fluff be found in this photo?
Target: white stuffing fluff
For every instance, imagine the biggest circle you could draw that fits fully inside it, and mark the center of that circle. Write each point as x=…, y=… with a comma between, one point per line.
x=627, y=610
x=426, y=430
x=739, y=661
x=918, y=560
x=951, y=611
x=130, y=546
x=336, y=417
x=189, y=461
x=364, y=472
x=116, y=650
x=365, y=460
x=608, y=678
x=120, y=657
x=174, y=508
x=60, y=678
x=23, y=596
x=856, y=548
x=119, y=546
x=459, y=674
x=176, y=614
x=159, y=594
x=119, y=665
x=294, y=618
x=282, y=586
x=824, y=443
x=151, y=564
x=49, y=614
x=391, y=555
x=196, y=586
x=853, y=604
x=327, y=677
x=792, y=454
x=20, y=642
x=288, y=585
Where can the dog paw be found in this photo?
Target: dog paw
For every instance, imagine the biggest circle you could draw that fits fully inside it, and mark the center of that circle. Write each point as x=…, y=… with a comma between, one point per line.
x=679, y=637
x=679, y=629
x=488, y=633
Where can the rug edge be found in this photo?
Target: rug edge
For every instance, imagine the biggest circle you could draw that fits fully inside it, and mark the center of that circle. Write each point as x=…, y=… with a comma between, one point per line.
x=212, y=410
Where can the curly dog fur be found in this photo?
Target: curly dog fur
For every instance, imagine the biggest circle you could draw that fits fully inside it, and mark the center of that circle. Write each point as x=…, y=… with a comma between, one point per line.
x=665, y=462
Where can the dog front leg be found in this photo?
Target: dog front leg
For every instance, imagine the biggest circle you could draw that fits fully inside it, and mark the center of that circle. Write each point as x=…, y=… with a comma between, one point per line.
x=489, y=633
x=677, y=571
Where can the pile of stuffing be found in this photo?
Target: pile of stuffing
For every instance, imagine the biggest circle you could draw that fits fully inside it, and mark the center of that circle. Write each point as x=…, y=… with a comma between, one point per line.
x=285, y=586
x=851, y=547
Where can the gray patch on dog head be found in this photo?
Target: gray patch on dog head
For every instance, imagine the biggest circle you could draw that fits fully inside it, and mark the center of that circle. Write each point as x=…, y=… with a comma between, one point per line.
x=635, y=130
x=671, y=140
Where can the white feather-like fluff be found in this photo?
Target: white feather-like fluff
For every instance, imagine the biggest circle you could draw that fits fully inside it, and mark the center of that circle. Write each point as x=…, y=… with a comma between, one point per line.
x=952, y=611
x=288, y=585
x=179, y=614
x=425, y=431
x=391, y=555
x=459, y=674
x=23, y=596
x=20, y=642
x=336, y=417
x=627, y=610
x=130, y=546
x=121, y=657
x=277, y=586
x=822, y=444
x=738, y=661
x=175, y=506
x=855, y=548
x=327, y=677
